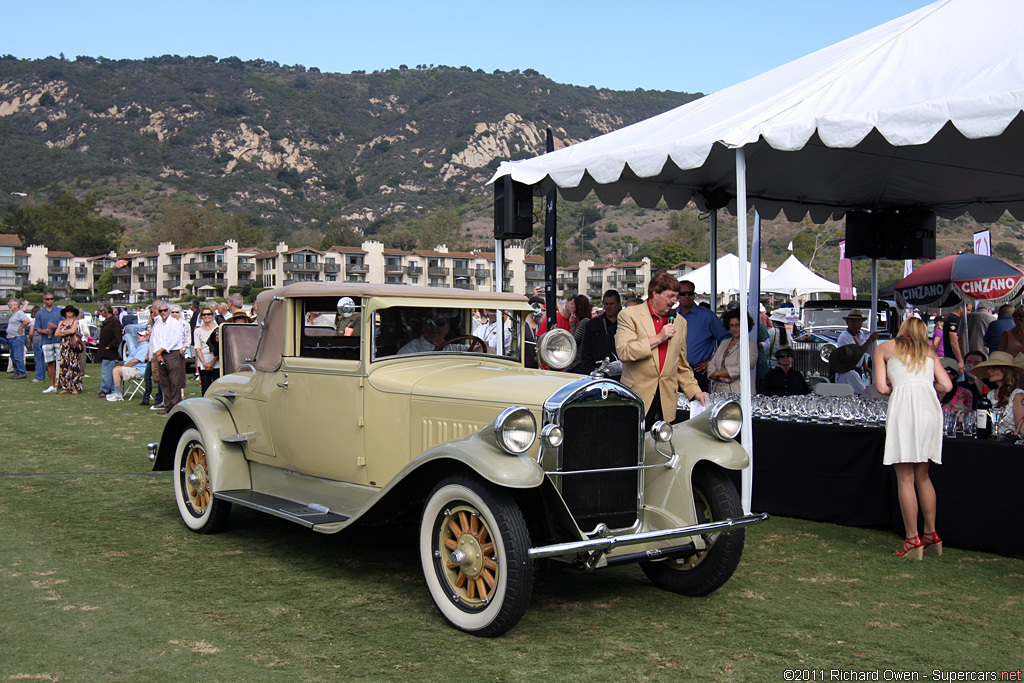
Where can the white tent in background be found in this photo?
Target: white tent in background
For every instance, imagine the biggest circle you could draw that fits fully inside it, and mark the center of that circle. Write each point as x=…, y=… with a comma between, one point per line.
x=728, y=277
x=923, y=111
x=795, y=279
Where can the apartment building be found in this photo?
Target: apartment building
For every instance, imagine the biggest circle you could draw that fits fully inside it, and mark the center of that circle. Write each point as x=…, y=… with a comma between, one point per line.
x=174, y=273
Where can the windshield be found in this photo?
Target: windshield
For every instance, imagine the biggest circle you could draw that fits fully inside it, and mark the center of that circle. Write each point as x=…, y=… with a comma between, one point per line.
x=417, y=330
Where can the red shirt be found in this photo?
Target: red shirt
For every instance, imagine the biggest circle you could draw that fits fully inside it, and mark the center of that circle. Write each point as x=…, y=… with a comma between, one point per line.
x=660, y=322
x=561, y=321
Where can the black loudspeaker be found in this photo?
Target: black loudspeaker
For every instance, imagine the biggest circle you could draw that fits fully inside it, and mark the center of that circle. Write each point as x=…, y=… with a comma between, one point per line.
x=513, y=209
x=890, y=234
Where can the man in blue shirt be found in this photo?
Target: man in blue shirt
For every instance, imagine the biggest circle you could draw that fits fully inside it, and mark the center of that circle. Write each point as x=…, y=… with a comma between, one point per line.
x=133, y=368
x=704, y=330
x=998, y=326
x=44, y=351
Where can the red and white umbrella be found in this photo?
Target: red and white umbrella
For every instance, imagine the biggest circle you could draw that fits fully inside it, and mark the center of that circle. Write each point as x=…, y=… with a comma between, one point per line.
x=951, y=280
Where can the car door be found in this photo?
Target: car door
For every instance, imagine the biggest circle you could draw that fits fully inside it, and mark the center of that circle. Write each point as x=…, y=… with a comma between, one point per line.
x=316, y=402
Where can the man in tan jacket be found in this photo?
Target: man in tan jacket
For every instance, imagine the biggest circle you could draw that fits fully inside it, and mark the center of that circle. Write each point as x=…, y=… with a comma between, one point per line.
x=652, y=348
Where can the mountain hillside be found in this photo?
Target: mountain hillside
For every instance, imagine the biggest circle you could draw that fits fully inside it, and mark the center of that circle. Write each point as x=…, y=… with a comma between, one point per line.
x=190, y=148
x=288, y=146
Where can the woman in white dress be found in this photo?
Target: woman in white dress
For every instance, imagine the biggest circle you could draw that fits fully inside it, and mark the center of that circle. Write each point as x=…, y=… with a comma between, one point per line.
x=913, y=428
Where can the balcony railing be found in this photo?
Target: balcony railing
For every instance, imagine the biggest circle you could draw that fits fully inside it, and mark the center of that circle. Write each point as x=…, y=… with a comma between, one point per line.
x=292, y=281
x=246, y=267
x=464, y=285
x=626, y=277
x=437, y=271
x=394, y=270
x=81, y=272
x=595, y=279
x=122, y=272
x=415, y=270
x=174, y=268
x=207, y=267
x=356, y=268
x=462, y=272
x=535, y=274
x=146, y=270
x=594, y=292
x=57, y=270
x=204, y=281
x=332, y=267
x=21, y=269
x=302, y=267
x=483, y=272
x=172, y=283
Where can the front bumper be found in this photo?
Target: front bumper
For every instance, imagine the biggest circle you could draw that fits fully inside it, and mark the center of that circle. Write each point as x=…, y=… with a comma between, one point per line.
x=605, y=543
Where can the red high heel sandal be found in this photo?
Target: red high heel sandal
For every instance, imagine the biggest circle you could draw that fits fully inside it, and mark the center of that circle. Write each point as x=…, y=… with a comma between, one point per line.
x=913, y=549
x=932, y=543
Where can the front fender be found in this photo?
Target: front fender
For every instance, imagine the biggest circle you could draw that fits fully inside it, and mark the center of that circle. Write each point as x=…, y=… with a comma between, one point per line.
x=668, y=494
x=228, y=467
x=479, y=453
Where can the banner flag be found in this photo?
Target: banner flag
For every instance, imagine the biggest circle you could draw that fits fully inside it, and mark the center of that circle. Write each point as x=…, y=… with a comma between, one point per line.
x=845, y=273
x=983, y=243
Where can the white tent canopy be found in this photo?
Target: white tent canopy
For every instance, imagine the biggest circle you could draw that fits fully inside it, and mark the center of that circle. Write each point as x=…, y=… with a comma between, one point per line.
x=728, y=276
x=794, y=279
x=922, y=111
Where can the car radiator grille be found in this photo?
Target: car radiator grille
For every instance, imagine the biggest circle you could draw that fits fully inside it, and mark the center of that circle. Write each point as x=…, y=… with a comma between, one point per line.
x=601, y=436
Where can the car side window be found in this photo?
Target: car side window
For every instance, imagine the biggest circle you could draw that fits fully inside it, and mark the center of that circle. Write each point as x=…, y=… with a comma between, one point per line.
x=325, y=334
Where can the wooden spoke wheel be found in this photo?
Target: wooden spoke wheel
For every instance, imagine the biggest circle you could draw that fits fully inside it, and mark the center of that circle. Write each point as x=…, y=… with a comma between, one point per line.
x=715, y=499
x=474, y=550
x=197, y=506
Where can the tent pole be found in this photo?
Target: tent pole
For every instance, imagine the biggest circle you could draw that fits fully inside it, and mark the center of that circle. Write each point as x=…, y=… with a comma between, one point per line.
x=746, y=433
x=874, y=299
x=713, y=255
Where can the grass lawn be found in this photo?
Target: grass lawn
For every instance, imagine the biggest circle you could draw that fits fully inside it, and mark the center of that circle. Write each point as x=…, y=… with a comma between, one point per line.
x=102, y=582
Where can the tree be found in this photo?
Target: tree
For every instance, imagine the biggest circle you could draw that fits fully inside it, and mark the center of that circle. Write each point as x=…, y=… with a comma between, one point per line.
x=443, y=228
x=105, y=283
x=66, y=225
x=690, y=233
x=341, y=233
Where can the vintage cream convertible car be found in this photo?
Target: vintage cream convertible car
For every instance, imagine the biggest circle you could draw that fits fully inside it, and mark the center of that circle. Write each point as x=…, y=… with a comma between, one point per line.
x=353, y=402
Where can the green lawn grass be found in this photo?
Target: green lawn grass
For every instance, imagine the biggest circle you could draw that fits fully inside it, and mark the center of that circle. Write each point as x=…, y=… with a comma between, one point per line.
x=101, y=581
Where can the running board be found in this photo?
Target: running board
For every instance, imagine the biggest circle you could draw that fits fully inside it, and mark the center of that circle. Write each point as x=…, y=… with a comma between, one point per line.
x=306, y=514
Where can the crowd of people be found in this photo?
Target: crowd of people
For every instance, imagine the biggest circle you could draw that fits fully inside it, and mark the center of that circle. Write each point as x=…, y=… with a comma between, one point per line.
x=126, y=348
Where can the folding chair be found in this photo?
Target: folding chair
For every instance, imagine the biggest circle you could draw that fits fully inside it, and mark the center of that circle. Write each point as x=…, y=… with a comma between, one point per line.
x=134, y=385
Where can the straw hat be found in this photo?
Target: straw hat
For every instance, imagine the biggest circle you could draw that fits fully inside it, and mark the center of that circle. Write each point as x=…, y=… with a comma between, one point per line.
x=854, y=314
x=1000, y=359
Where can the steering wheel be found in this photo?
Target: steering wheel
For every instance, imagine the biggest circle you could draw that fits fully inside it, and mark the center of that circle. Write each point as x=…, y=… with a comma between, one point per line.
x=473, y=342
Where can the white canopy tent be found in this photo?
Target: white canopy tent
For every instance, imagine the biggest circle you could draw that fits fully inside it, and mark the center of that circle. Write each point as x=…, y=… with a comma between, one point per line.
x=728, y=276
x=922, y=111
x=794, y=279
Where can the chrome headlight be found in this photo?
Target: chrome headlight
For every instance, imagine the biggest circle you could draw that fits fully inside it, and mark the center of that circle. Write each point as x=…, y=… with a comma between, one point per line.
x=726, y=418
x=515, y=430
x=556, y=349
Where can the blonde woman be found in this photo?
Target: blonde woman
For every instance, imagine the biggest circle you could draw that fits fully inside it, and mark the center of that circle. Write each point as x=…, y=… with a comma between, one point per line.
x=913, y=428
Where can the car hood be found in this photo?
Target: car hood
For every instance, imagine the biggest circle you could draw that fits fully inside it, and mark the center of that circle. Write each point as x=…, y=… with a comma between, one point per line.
x=471, y=381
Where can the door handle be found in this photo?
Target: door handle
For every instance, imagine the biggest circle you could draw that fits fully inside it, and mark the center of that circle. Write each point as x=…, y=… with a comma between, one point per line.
x=284, y=384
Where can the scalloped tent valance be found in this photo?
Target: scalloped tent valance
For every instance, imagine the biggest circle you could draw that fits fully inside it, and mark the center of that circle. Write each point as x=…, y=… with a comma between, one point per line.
x=924, y=111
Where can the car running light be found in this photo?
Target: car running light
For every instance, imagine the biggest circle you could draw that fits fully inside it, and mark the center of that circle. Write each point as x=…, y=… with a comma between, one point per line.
x=726, y=419
x=661, y=431
x=552, y=436
x=515, y=429
x=556, y=349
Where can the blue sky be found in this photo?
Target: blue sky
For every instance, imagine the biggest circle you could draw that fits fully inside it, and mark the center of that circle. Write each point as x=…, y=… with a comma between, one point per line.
x=685, y=45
